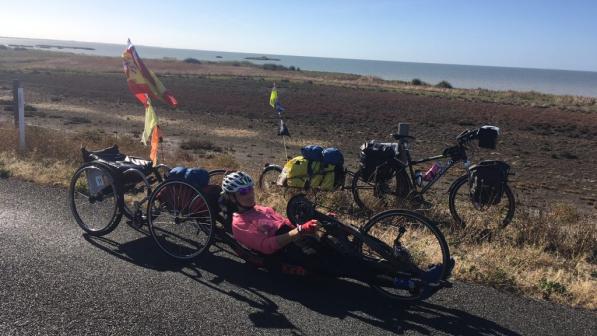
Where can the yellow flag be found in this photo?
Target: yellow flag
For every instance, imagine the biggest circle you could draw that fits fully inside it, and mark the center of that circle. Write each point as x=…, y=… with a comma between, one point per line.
x=151, y=120
x=273, y=98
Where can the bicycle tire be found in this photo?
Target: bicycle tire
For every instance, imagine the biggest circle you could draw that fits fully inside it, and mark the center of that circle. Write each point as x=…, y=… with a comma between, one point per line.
x=418, y=249
x=379, y=201
x=77, y=188
x=268, y=177
x=458, y=215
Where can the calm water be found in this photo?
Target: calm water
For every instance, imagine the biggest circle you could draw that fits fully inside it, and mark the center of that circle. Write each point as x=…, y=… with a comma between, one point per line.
x=582, y=83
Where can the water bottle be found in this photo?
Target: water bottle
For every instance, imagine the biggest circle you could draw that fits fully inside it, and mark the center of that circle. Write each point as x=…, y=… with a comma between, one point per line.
x=435, y=169
x=418, y=178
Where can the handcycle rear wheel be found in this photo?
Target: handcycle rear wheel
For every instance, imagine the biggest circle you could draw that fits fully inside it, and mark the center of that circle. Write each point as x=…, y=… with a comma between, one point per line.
x=462, y=209
x=93, y=199
x=180, y=220
x=417, y=244
x=375, y=196
x=217, y=175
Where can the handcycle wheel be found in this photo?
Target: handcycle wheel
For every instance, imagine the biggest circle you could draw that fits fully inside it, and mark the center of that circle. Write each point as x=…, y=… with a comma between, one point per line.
x=161, y=172
x=464, y=212
x=180, y=220
x=216, y=176
x=268, y=180
x=93, y=199
x=418, y=246
x=135, y=191
x=376, y=196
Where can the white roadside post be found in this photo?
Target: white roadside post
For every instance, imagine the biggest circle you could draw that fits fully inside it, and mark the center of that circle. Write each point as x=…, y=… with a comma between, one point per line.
x=21, y=102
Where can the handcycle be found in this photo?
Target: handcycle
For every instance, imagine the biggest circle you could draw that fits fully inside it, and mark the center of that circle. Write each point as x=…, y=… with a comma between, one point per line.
x=110, y=185
x=408, y=253
x=396, y=181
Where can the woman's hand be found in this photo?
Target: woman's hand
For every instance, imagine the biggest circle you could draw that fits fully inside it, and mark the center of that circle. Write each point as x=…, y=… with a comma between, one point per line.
x=309, y=227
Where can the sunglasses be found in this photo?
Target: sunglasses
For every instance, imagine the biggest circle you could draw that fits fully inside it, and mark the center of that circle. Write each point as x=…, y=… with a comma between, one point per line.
x=245, y=191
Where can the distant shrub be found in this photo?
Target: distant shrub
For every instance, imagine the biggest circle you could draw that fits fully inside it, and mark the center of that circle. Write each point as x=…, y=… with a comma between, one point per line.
x=195, y=144
x=417, y=81
x=444, y=85
x=275, y=67
x=192, y=61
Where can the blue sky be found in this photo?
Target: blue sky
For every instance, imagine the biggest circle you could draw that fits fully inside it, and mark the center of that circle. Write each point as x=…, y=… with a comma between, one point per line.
x=537, y=34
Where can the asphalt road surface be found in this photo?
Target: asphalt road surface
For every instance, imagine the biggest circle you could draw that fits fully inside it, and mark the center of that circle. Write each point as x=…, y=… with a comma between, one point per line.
x=55, y=280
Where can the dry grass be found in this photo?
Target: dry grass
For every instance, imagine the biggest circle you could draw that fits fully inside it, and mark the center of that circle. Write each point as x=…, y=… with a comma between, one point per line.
x=54, y=155
x=548, y=254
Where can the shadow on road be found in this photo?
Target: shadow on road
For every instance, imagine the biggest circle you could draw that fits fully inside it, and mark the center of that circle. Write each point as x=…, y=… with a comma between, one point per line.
x=220, y=270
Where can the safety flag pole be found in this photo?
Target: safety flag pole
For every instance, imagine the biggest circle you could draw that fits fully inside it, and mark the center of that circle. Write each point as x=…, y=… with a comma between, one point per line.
x=145, y=85
x=283, y=130
x=285, y=150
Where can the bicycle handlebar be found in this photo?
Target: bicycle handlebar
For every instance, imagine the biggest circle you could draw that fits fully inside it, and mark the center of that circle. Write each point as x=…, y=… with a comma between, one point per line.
x=466, y=136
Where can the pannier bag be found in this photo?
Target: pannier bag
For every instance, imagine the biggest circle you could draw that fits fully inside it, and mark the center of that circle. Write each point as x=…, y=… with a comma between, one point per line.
x=333, y=156
x=487, y=136
x=296, y=172
x=312, y=152
x=372, y=158
x=302, y=173
x=486, y=181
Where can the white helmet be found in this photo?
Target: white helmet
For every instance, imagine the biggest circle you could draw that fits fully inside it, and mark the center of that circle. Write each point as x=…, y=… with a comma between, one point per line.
x=234, y=181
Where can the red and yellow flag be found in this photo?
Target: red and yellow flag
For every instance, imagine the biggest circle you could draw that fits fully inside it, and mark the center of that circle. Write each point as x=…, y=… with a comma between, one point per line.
x=142, y=81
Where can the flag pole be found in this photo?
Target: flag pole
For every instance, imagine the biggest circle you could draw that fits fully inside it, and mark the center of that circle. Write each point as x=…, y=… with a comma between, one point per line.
x=285, y=151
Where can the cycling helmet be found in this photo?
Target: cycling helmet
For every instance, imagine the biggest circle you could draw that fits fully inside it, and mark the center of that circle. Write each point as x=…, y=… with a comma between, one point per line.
x=234, y=181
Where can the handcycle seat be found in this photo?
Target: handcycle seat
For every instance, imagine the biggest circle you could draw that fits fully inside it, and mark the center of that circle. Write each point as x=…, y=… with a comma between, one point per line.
x=117, y=160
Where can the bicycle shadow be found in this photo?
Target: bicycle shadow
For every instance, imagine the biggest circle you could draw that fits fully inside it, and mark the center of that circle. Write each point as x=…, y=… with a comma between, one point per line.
x=229, y=275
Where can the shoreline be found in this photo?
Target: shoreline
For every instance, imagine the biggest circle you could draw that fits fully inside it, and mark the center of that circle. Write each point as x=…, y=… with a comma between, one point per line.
x=490, y=77
x=40, y=60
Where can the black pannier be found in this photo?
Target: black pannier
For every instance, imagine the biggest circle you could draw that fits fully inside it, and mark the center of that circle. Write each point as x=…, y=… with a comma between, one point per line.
x=487, y=136
x=486, y=181
x=372, y=158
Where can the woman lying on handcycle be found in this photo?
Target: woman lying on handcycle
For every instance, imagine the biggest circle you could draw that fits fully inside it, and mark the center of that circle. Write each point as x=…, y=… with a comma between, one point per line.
x=262, y=229
x=338, y=253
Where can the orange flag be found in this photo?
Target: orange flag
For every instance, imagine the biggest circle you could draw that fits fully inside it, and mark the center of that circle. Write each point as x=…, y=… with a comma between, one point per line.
x=155, y=140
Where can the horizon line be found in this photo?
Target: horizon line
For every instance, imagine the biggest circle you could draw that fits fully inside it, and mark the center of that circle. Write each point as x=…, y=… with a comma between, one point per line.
x=309, y=56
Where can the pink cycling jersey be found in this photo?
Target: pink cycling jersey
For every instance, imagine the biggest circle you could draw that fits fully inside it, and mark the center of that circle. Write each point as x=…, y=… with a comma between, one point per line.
x=256, y=228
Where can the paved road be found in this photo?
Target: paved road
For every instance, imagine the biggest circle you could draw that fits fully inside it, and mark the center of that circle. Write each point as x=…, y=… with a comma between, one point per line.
x=54, y=280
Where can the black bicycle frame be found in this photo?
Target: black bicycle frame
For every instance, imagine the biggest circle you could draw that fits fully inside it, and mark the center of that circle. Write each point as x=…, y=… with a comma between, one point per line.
x=410, y=163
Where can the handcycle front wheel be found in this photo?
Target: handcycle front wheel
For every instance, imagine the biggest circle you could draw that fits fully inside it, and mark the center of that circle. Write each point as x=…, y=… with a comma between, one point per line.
x=374, y=196
x=418, y=247
x=180, y=220
x=93, y=198
x=464, y=213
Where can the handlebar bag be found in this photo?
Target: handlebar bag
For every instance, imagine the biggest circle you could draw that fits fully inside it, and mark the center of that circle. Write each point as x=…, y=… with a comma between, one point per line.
x=487, y=136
